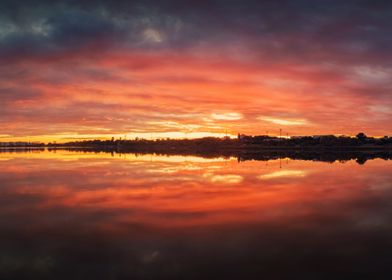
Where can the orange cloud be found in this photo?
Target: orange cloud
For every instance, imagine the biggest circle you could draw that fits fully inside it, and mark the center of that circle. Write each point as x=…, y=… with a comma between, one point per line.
x=187, y=94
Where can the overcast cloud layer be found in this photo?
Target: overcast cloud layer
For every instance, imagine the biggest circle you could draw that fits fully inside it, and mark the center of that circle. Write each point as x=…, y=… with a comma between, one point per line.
x=193, y=68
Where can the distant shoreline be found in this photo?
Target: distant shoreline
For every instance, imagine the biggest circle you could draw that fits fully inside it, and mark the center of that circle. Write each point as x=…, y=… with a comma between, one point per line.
x=323, y=154
x=252, y=148
x=324, y=147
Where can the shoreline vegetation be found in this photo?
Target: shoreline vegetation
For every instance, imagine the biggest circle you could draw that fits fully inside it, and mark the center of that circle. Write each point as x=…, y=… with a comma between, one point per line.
x=327, y=148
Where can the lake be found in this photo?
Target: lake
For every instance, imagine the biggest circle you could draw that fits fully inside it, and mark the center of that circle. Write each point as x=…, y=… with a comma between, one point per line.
x=84, y=215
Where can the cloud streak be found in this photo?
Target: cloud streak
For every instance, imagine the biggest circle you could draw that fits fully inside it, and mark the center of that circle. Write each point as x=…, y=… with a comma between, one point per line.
x=126, y=68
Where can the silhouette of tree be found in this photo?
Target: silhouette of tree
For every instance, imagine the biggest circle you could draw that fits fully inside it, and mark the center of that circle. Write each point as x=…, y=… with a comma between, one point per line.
x=361, y=136
x=361, y=160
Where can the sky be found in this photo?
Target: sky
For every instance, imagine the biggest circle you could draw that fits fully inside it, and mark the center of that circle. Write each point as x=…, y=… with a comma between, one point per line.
x=100, y=69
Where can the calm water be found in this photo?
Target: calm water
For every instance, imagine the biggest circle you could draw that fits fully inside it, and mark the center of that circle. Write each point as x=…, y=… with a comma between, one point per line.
x=73, y=215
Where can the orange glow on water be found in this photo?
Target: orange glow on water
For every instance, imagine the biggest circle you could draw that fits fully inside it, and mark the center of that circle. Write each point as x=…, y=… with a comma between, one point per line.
x=192, y=191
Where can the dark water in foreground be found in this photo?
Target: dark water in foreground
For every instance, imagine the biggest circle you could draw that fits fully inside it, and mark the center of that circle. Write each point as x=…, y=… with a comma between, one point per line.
x=73, y=215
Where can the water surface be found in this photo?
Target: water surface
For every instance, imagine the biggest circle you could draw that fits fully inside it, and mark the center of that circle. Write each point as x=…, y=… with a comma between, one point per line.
x=80, y=215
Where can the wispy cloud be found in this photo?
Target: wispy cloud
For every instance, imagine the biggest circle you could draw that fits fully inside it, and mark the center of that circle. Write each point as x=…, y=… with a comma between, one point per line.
x=282, y=121
x=232, y=116
x=283, y=174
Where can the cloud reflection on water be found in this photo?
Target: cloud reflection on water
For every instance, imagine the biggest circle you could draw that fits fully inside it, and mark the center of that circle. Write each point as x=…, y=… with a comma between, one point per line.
x=121, y=217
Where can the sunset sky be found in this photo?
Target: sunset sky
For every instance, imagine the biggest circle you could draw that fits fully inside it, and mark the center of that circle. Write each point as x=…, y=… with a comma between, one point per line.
x=97, y=68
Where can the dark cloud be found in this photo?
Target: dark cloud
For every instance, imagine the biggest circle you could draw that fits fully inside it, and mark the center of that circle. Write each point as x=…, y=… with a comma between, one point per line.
x=12, y=94
x=310, y=29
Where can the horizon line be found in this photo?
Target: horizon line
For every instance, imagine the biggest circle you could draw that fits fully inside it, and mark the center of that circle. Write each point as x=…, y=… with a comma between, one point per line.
x=230, y=136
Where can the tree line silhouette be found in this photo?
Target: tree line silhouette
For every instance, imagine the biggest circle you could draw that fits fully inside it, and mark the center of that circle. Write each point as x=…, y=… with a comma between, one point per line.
x=242, y=142
x=328, y=148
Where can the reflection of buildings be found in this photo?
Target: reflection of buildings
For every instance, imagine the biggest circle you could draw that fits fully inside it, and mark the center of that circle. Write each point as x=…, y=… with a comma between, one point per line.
x=20, y=144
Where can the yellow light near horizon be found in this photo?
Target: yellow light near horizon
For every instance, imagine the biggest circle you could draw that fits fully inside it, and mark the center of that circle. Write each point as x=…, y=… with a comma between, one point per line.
x=63, y=138
x=65, y=155
x=287, y=122
x=231, y=116
x=283, y=174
